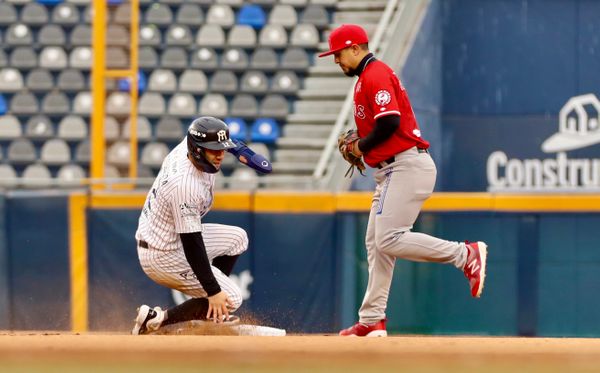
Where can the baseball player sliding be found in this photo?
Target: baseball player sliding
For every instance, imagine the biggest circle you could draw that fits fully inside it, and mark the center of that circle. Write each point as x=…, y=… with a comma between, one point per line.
x=389, y=139
x=175, y=248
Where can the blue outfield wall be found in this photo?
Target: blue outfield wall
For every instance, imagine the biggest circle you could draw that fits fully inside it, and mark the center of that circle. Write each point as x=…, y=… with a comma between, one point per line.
x=307, y=271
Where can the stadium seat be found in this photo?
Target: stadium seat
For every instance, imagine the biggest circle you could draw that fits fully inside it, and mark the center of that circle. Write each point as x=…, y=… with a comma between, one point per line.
x=224, y=82
x=10, y=127
x=82, y=103
x=244, y=105
x=24, y=103
x=189, y=14
x=81, y=35
x=147, y=58
x=145, y=172
x=241, y=36
x=34, y=14
x=81, y=58
x=254, y=82
x=210, y=35
x=116, y=58
x=193, y=81
x=117, y=35
x=23, y=58
x=56, y=103
x=305, y=35
x=52, y=34
x=52, y=2
x=53, y=58
x=169, y=129
x=18, y=34
x=273, y=36
x=285, y=82
x=152, y=104
x=8, y=176
x=153, y=154
x=213, y=104
x=124, y=83
x=275, y=106
x=87, y=13
x=72, y=127
x=118, y=103
x=118, y=154
x=264, y=59
x=182, y=105
x=295, y=59
x=122, y=14
x=39, y=127
x=83, y=152
x=21, y=151
x=111, y=172
x=220, y=14
x=243, y=179
x=315, y=15
x=159, y=14
x=264, y=130
x=3, y=105
x=175, y=58
x=284, y=15
x=112, y=130
x=179, y=35
x=65, y=14
x=144, y=129
x=36, y=176
x=70, y=175
x=234, y=59
x=251, y=15
x=8, y=14
x=71, y=80
x=238, y=129
x=162, y=80
x=204, y=59
x=149, y=35
x=11, y=80
x=55, y=152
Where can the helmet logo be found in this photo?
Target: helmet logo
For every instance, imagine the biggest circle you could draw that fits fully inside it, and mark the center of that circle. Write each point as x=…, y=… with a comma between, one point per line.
x=221, y=136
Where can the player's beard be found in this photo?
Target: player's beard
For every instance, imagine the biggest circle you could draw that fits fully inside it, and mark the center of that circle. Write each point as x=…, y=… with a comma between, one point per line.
x=350, y=72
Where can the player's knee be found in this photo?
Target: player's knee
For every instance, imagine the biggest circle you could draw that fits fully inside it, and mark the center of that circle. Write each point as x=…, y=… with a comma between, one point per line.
x=240, y=241
x=235, y=296
x=389, y=243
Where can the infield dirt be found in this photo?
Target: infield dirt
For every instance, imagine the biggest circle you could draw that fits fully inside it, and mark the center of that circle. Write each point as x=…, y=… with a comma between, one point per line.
x=95, y=352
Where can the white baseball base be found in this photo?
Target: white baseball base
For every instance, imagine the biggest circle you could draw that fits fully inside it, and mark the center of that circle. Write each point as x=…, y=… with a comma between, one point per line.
x=258, y=330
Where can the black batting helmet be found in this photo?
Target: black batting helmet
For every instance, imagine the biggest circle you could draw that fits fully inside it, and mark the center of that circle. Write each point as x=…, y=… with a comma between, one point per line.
x=207, y=133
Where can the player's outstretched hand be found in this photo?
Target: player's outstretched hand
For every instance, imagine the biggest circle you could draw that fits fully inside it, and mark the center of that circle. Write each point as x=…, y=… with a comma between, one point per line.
x=218, y=306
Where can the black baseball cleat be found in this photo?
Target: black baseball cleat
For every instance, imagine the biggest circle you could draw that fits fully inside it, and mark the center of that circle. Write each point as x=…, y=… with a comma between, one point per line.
x=148, y=320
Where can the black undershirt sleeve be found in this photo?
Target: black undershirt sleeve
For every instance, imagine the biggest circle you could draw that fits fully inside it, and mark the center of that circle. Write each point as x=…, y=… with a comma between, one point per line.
x=195, y=253
x=384, y=128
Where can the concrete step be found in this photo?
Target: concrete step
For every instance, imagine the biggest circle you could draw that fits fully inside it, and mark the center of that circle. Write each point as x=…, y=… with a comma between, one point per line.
x=307, y=130
x=318, y=107
x=312, y=118
x=297, y=155
x=288, y=181
x=323, y=94
x=339, y=82
x=360, y=17
x=297, y=168
x=300, y=143
x=361, y=5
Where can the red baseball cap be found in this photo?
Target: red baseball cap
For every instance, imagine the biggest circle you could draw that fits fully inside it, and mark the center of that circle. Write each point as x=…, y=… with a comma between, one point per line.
x=345, y=36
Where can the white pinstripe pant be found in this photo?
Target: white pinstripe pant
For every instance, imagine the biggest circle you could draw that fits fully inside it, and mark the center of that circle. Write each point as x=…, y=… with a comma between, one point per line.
x=171, y=268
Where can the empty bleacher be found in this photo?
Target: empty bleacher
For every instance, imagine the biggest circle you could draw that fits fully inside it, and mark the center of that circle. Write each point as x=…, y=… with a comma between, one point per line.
x=249, y=61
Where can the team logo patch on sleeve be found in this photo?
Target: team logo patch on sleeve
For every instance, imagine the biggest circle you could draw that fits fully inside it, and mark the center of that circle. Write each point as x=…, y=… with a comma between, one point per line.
x=383, y=97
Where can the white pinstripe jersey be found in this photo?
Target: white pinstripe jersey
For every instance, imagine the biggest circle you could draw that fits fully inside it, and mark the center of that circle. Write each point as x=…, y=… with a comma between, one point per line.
x=180, y=196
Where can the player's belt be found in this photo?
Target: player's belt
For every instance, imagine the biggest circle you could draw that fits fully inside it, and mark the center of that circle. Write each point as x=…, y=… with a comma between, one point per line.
x=143, y=244
x=392, y=159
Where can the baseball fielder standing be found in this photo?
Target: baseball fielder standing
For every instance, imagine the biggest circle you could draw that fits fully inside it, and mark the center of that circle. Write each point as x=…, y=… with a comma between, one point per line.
x=175, y=248
x=389, y=139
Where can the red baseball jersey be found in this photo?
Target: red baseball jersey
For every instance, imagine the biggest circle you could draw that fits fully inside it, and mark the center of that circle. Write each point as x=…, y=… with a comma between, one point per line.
x=377, y=93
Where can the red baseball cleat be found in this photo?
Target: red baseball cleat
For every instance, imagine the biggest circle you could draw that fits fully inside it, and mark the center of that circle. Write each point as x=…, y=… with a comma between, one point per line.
x=475, y=266
x=376, y=329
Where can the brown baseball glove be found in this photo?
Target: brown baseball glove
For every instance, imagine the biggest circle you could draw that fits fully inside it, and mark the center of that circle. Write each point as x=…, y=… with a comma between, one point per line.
x=346, y=143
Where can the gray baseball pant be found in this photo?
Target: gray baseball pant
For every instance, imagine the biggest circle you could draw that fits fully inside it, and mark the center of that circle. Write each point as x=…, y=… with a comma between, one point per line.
x=402, y=187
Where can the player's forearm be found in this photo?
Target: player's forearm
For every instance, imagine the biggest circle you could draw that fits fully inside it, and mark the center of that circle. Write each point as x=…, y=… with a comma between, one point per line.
x=383, y=130
x=195, y=253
